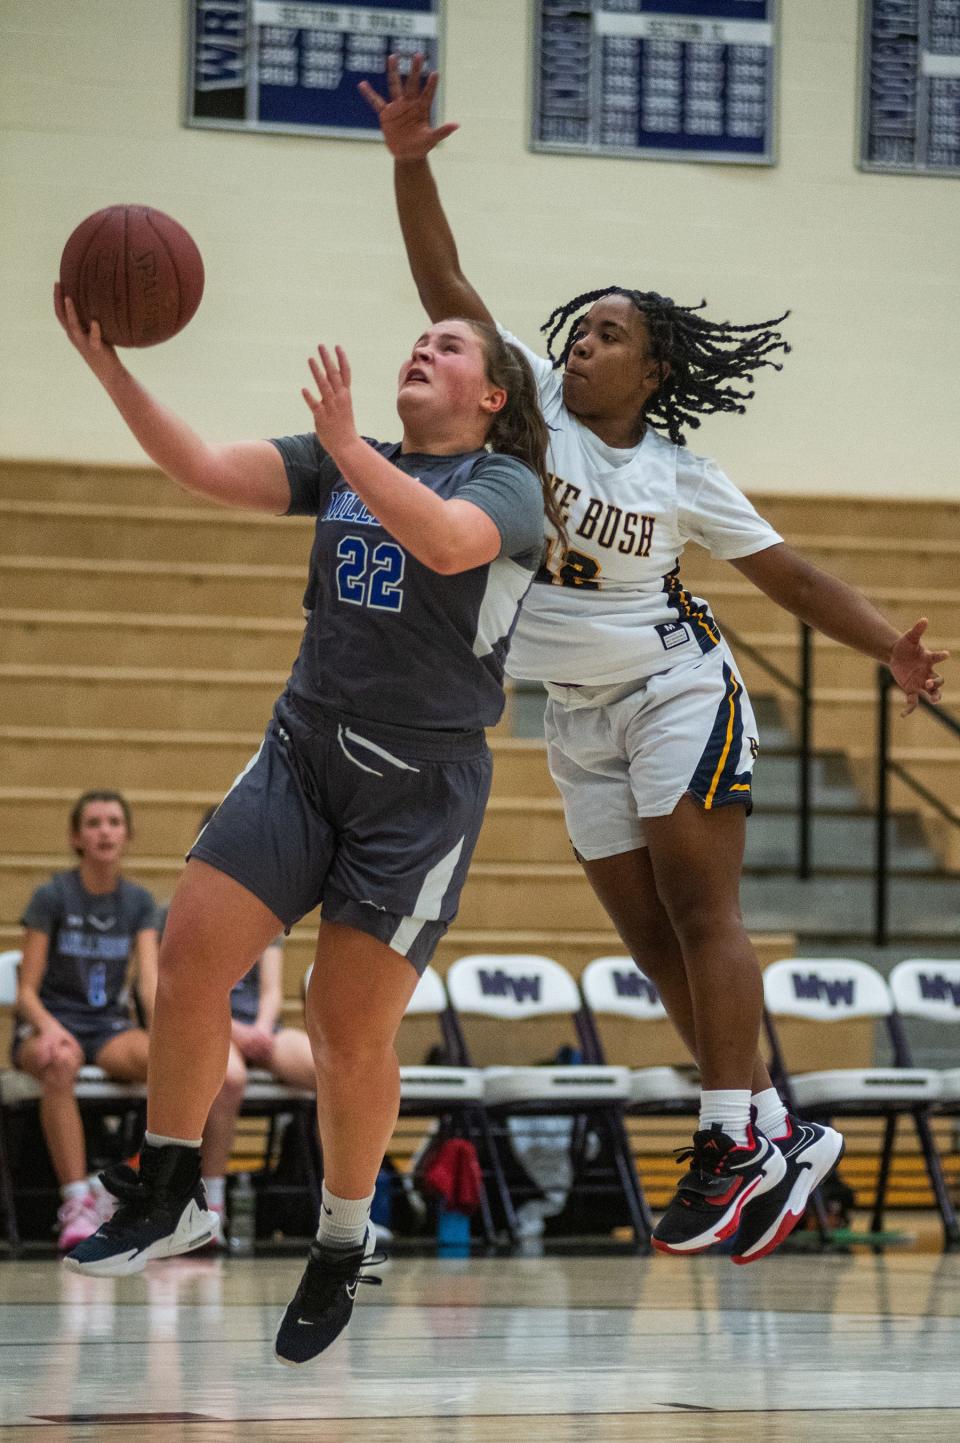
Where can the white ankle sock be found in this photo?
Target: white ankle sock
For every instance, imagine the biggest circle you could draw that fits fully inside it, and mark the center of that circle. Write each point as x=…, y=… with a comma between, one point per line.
x=771, y=1113
x=728, y=1106
x=216, y=1191
x=74, y=1189
x=157, y=1139
x=343, y=1221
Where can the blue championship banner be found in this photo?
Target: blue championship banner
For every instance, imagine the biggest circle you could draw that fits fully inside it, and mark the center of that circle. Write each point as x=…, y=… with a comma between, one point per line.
x=295, y=67
x=910, y=90
x=663, y=79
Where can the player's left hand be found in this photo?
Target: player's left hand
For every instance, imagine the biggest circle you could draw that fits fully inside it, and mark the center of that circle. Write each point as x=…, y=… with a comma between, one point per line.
x=332, y=407
x=914, y=667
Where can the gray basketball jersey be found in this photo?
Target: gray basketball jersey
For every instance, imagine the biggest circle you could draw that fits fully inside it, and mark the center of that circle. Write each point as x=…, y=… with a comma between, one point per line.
x=91, y=942
x=387, y=639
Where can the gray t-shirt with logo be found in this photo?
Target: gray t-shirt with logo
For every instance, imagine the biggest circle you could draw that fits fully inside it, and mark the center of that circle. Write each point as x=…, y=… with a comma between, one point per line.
x=92, y=937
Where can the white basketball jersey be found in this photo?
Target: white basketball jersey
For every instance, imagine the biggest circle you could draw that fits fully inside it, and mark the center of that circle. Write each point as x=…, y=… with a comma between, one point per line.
x=611, y=607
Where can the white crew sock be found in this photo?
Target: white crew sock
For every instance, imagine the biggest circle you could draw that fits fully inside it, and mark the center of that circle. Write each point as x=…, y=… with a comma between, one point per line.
x=771, y=1113
x=343, y=1221
x=728, y=1106
x=74, y=1189
x=216, y=1191
x=157, y=1139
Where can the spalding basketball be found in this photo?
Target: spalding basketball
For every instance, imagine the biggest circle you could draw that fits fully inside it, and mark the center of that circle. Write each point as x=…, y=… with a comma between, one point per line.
x=136, y=271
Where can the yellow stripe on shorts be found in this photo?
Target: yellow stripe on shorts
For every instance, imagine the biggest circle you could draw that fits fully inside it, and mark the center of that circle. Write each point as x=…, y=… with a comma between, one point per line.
x=715, y=781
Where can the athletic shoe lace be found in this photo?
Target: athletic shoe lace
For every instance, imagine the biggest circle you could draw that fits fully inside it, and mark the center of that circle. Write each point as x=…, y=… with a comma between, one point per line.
x=320, y=1281
x=699, y=1162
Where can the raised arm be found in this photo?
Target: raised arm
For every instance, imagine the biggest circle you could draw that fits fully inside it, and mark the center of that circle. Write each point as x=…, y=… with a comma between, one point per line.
x=247, y=474
x=431, y=249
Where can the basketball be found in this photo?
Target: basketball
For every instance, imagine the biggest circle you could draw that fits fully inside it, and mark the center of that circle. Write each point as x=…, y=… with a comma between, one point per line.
x=136, y=271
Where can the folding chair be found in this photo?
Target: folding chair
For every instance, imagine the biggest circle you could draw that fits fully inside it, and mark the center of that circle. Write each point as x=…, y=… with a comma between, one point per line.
x=929, y=988
x=451, y=1094
x=832, y=990
x=96, y=1093
x=512, y=997
x=615, y=990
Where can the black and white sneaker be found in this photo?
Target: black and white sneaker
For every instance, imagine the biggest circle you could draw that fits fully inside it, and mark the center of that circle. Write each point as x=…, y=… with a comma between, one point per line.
x=323, y=1303
x=162, y=1212
x=810, y=1152
x=723, y=1177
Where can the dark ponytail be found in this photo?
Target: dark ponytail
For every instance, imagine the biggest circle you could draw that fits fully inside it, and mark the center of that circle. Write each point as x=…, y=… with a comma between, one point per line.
x=519, y=429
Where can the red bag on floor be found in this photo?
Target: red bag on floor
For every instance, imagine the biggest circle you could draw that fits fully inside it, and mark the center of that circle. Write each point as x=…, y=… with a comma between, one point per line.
x=451, y=1171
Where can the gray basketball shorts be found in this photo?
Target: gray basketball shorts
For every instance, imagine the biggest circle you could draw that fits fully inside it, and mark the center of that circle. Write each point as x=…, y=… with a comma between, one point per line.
x=374, y=823
x=92, y=1030
x=622, y=753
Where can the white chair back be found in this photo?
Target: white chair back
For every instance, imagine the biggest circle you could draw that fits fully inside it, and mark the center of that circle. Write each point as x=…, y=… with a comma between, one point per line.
x=616, y=986
x=927, y=987
x=512, y=987
x=429, y=995
x=825, y=989
x=9, y=963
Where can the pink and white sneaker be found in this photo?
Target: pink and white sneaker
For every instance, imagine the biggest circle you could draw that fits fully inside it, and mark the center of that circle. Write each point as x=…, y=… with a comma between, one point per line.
x=78, y=1219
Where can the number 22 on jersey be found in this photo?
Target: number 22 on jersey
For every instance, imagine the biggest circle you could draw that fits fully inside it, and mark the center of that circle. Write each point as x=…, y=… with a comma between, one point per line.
x=370, y=575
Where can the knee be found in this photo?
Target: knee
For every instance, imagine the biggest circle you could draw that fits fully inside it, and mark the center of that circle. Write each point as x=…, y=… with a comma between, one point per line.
x=655, y=948
x=184, y=981
x=347, y=1058
x=702, y=921
x=60, y=1075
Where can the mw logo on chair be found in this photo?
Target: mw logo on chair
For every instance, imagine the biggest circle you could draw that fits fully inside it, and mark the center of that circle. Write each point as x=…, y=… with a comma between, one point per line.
x=939, y=988
x=501, y=984
x=831, y=990
x=634, y=984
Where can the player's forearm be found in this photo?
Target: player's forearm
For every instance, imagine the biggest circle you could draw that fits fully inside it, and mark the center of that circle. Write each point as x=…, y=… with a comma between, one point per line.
x=413, y=514
x=431, y=249
x=30, y=1009
x=833, y=607
x=169, y=442
x=844, y=614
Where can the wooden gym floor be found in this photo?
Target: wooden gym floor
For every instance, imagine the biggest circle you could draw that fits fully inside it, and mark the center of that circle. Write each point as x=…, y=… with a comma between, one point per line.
x=585, y=1349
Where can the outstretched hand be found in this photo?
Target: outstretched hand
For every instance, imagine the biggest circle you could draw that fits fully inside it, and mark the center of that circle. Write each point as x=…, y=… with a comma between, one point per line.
x=101, y=358
x=332, y=407
x=914, y=667
x=405, y=116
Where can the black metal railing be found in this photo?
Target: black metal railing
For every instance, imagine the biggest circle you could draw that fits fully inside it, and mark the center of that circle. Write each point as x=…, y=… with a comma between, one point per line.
x=802, y=689
x=888, y=767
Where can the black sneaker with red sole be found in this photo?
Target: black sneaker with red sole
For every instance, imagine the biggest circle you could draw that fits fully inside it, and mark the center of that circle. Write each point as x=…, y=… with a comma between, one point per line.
x=724, y=1177
x=810, y=1151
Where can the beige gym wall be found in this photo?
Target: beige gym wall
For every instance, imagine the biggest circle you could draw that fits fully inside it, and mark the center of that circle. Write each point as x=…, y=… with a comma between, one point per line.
x=301, y=244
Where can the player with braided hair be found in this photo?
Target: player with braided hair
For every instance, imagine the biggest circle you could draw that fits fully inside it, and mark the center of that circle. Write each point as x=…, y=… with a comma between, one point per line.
x=651, y=738
x=699, y=360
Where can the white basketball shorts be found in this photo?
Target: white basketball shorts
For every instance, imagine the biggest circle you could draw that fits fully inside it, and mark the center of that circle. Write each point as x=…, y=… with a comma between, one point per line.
x=622, y=753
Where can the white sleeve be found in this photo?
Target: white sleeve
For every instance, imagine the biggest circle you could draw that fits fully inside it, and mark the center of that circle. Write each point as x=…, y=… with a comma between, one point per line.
x=713, y=512
x=548, y=380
